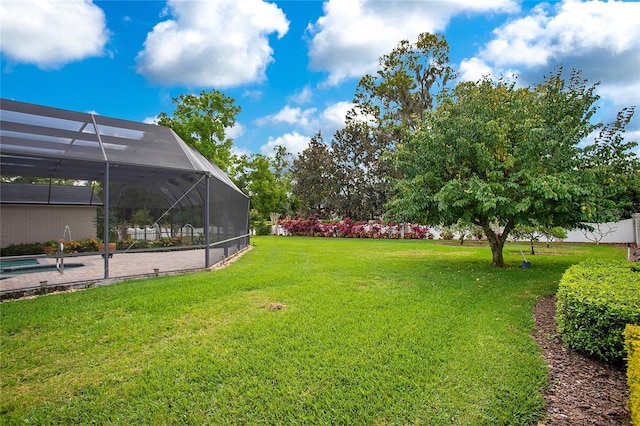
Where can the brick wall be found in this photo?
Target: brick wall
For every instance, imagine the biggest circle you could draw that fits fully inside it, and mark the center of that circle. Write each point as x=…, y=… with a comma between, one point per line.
x=35, y=224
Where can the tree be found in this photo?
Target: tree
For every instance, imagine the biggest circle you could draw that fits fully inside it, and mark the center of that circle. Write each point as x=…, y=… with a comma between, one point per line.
x=393, y=100
x=400, y=94
x=265, y=193
x=552, y=233
x=492, y=153
x=202, y=122
x=617, y=170
x=313, y=172
x=526, y=232
x=281, y=164
x=598, y=231
x=362, y=182
x=465, y=230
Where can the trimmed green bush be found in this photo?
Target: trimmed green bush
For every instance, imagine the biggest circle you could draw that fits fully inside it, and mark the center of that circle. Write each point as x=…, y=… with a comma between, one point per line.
x=22, y=249
x=632, y=345
x=595, y=301
x=263, y=227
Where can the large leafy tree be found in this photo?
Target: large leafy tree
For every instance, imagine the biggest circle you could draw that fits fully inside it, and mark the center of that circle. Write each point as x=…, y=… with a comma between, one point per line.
x=362, y=182
x=616, y=168
x=401, y=92
x=353, y=177
x=388, y=106
x=313, y=174
x=202, y=121
x=498, y=156
x=265, y=180
x=265, y=195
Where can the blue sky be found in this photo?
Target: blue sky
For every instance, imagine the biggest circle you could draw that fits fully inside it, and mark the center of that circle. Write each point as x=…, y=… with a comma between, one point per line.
x=292, y=66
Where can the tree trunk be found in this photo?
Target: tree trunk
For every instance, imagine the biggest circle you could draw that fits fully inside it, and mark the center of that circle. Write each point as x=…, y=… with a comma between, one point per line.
x=496, y=242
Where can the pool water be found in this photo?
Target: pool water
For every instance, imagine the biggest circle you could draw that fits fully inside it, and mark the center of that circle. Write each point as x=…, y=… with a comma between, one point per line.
x=27, y=266
x=17, y=262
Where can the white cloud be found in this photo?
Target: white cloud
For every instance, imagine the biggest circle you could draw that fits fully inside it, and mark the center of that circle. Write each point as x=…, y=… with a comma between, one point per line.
x=239, y=152
x=294, y=142
x=474, y=69
x=236, y=131
x=222, y=43
x=302, y=97
x=52, y=33
x=333, y=117
x=622, y=93
x=311, y=120
x=600, y=38
x=294, y=116
x=350, y=37
x=571, y=28
x=304, y=121
x=256, y=95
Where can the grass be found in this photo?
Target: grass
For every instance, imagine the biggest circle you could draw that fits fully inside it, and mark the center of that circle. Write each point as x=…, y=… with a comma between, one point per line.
x=298, y=331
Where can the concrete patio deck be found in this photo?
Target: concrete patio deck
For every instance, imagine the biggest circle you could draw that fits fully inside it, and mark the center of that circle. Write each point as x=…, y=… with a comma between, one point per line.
x=122, y=266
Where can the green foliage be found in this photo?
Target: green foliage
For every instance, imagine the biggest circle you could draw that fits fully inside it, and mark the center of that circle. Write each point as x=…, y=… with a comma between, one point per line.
x=266, y=182
x=202, y=122
x=353, y=176
x=25, y=249
x=616, y=170
x=494, y=154
x=113, y=222
x=313, y=173
x=401, y=92
x=263, y=227
x=142, y=217
x=298, y=331
x=552, y=233
x=348, y=178
x=258, y=223
x=596, y=300
x=632, y=346
x=362, y=183
x=51, y=246
x=446, y=234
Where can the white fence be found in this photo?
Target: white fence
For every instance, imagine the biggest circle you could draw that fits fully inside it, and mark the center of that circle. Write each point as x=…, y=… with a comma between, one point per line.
x=623, y=232
x=626, y=231
x=151, y=234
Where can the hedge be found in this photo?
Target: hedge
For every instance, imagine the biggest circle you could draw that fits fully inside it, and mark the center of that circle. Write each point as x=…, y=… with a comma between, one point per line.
x=90, y=245
x=595, y=302
x=632, y=345
x=347, y=228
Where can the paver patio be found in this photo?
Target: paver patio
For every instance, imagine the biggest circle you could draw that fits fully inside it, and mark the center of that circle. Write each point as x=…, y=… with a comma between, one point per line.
x=121, y=266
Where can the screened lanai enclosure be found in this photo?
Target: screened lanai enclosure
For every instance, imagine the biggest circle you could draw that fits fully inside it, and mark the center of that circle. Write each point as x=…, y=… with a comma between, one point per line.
x=132, y=166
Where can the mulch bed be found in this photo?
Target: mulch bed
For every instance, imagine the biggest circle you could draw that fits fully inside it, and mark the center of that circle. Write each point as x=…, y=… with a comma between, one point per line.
x=582, y=390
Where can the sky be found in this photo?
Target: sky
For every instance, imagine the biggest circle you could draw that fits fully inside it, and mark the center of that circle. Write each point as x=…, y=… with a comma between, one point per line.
x=293, y=65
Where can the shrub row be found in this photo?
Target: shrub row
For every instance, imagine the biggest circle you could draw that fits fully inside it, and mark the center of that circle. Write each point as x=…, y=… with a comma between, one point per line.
x=348, y=229
x=632, y=345
x=262, y=227
x=88, y=246
x=595, y=302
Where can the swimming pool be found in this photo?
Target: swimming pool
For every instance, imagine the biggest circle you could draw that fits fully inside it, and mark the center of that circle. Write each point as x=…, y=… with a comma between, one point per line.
x=12, y=267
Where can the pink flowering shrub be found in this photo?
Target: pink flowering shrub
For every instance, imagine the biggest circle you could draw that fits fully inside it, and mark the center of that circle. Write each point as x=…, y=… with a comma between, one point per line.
x=347, y=228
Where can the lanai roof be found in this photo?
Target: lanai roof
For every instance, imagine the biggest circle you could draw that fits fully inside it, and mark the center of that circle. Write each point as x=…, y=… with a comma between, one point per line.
x=27, y=193
x=40, y=141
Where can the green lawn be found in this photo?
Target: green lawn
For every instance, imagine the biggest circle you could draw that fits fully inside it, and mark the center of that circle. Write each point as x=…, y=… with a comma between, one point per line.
x=298, y=331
